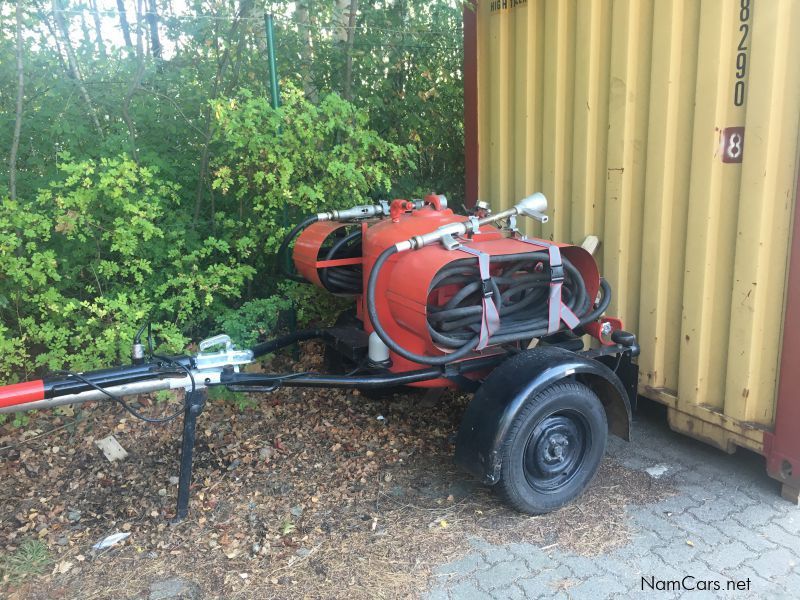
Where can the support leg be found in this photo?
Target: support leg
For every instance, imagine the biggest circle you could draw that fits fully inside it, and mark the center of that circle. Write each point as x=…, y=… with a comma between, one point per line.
x=791, y=493
x=195, y=401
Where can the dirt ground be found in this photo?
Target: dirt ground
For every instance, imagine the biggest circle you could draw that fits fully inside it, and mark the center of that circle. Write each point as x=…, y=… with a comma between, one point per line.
x=306, y=493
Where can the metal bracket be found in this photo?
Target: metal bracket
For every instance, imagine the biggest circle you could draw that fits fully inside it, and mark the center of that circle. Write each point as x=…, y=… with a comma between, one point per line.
x=512, y=224
x=449, y=242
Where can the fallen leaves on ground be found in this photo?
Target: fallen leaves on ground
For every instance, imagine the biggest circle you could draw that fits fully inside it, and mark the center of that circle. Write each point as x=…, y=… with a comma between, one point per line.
x=310, y=493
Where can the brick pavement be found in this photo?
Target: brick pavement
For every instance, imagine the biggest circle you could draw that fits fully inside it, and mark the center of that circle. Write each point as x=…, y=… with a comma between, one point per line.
x=727, y=522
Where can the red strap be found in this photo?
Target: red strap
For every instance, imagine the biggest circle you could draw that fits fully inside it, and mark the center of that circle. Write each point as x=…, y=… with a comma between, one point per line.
x=490, y=321
x=557, y=310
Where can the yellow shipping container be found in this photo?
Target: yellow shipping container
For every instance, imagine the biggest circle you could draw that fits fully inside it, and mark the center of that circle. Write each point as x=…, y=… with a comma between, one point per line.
x=669, y=129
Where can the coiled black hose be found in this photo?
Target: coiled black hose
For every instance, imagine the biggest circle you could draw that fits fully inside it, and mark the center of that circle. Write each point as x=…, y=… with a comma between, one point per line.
x=345, y=279
x=520, y=293
x=337, y=280
x=284, y=247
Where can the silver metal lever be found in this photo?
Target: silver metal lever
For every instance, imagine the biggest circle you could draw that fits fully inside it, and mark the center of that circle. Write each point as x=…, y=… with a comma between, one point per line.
x=229, y=356
x=532, y=206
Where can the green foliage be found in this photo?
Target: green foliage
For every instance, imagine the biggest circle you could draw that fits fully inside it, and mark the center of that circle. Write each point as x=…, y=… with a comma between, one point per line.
x=239, y=399
x=94, y=256
x=300, y=159
x=246, y=323
x=31, y=558
x=182, y=229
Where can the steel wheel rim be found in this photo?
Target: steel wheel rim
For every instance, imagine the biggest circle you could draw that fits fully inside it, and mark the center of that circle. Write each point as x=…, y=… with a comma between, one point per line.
x=556, y=450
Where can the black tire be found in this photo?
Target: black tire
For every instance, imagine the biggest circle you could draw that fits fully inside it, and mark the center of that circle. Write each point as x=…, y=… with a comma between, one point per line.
x=553, y=448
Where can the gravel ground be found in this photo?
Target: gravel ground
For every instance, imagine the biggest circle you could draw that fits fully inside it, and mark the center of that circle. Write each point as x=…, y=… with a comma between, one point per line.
x=726, y=525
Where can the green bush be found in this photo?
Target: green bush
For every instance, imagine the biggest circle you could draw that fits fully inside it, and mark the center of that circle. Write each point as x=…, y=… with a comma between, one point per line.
x=111, y=245
x=277, y=165
x=97, y=254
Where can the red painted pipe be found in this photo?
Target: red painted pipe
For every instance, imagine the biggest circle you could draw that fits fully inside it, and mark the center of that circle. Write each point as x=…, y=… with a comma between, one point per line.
x=20, y=393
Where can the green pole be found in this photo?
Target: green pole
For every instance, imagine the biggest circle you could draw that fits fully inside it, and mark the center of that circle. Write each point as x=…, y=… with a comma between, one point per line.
x=275, y=101
x=273, y=70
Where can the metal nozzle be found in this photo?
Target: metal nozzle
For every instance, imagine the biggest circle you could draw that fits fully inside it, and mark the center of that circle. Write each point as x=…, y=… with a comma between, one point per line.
x=533, y=206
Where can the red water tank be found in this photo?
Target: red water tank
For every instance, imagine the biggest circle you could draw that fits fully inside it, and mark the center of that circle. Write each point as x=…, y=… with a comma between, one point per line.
x=405, y=297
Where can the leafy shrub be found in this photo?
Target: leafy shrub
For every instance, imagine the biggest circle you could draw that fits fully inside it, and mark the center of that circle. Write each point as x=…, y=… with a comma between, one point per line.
x=97, y=254
x=111, y=244
x=278, y=164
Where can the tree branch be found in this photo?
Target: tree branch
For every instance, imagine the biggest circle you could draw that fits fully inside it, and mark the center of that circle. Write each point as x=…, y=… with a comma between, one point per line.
x=348, y=60
x=12, y=159
x=74, y=69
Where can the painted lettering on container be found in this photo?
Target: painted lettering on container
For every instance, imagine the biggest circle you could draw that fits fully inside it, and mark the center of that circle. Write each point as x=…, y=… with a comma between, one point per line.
x=499, y=6
x=745, y=12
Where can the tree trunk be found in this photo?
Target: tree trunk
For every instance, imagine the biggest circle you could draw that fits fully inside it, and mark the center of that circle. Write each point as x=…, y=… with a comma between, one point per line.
x=222, y=65
x=101, y=45
x=348, y=59
x=87, y=36
x=341, y=19
x=74, y=68
x=12, y=159
x=43, y=19
x=302, y=16
x=123, y=23
x=152, y=19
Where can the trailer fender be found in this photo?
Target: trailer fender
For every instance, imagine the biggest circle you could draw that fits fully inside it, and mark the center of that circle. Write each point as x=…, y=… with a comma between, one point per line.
x=490, y=413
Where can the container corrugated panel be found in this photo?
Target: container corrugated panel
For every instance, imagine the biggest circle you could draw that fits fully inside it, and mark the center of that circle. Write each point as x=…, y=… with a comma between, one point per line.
x=669, y=129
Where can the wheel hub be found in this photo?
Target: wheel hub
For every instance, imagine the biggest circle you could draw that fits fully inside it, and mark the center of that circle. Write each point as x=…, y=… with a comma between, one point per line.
x=555, y=450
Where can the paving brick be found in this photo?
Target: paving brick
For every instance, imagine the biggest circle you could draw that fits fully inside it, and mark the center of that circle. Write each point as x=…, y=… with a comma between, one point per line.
x=658, y=524
x=641, y=581
x=502, y=574
x=729, y=555
x=584, y=567
x=774, y=563
x=758, y=585
x=738, y=524
x=789, y=522
x=597, y=588
x=495, y=555
x=469, y=564
x=713, y=511
x=790, y=582
x=537, y=559
x=587, y=590
x=777, y=534
x=677, y=554
x=468, y=590
x=509, y=592
x=756, y=516
x=697, y=532
x=677, y=504
x=753, y=539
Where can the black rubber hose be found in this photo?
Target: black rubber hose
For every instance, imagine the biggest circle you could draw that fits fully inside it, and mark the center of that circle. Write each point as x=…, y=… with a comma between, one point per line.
x=343, y=280
x=524, y=297
x=523, y=305
x=372, y=311
x=285, y=340
x=284, y=247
